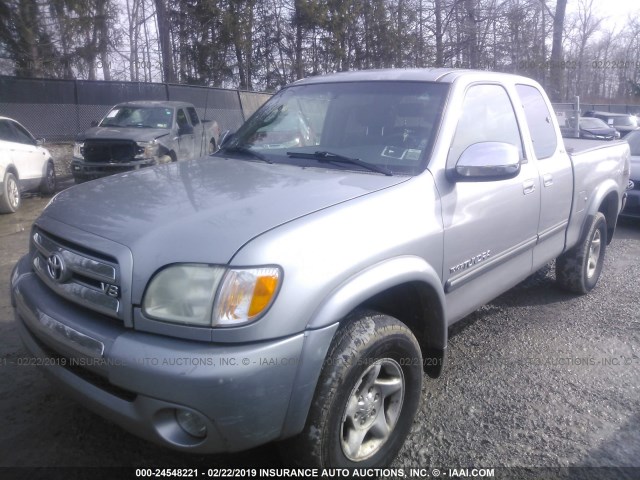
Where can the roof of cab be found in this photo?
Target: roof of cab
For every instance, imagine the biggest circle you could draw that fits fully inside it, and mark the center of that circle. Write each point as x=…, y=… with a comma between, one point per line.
x=443, y=75
x=155, y=103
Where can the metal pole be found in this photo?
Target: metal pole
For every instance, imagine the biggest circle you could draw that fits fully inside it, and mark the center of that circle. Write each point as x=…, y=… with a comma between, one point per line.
x=576, y=131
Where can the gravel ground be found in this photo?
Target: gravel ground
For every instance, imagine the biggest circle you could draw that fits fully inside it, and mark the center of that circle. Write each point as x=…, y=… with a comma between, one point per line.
x=536, y=378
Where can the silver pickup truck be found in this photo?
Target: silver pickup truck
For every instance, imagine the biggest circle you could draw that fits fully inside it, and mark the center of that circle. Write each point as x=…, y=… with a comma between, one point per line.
x=139, y=134
x=299, y=283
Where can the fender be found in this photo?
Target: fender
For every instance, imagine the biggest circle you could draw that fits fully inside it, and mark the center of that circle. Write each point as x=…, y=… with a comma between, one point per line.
x=603, y=190
x=378, y=278
x=348, y=296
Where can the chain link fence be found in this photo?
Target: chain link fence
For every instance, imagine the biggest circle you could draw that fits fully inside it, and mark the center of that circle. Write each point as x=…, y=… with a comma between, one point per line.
x=60, y=109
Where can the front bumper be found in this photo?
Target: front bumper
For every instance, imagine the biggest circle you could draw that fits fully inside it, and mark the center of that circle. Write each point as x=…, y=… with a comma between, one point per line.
x=247, y=394
x=82, y=170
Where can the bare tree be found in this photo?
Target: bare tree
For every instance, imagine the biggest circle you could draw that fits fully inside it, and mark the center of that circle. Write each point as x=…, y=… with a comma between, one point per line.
x=164, y=38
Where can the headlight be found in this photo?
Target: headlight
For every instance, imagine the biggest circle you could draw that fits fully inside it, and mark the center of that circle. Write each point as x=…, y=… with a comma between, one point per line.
x=588, y=135
x=147, y=149
x=78, y=148
x=185, y=294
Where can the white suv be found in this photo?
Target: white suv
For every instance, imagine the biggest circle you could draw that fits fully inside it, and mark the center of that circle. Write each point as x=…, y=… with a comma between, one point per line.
x=24, y=165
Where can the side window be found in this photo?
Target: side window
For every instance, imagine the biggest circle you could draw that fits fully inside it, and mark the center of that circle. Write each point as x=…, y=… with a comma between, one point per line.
x=181, y=118
x=487, y=116
x=21, y=135
x=6, y=132
x=539, y=118
x=193, y=115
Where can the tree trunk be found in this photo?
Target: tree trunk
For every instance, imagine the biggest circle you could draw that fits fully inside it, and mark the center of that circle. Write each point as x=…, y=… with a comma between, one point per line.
x=164, y=37
x=555, y=72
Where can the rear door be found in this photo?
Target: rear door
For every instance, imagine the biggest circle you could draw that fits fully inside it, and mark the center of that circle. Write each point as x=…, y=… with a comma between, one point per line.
x=490, y=226
x=200, y=147
x=556, y=174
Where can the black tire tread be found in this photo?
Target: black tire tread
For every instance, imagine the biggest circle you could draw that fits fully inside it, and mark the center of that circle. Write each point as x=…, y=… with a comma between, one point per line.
x=5, y=206
x=360, y=330
x=570, y=266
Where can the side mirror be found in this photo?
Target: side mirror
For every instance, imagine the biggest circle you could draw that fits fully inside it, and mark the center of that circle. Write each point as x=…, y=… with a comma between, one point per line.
x=94, y=123
x=40, y=142
x=488, y=161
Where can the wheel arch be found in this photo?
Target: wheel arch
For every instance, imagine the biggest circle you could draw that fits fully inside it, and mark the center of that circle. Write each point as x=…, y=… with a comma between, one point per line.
x=609, y=208
x=405, y=287
x=11, y=168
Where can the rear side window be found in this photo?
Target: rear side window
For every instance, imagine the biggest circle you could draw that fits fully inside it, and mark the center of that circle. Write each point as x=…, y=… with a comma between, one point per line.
x=538, y=116
x=487, y=116
x=181, y=119
x=193, y=115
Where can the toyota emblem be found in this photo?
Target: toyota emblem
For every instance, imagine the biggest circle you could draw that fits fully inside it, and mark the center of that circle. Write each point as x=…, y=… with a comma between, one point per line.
x=55, y=267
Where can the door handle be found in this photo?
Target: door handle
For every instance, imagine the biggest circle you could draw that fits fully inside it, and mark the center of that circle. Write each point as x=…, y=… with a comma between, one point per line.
x=529, y=186
x=548, y=180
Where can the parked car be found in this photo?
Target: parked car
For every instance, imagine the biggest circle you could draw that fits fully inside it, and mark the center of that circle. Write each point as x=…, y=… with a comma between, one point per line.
x=622, y=122
x=139, y=134
x=591, y=128
x=25, y=165
x=632, y=207
x=299, y=289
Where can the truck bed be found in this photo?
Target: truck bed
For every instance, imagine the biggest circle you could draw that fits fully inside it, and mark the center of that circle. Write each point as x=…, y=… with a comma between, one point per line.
x=575, y=146
x=591, y=160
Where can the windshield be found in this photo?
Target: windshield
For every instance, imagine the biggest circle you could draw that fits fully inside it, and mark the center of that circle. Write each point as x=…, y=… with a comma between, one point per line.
x=592, y=123
x=634, y=142
x=391, y=125
x=141, y=117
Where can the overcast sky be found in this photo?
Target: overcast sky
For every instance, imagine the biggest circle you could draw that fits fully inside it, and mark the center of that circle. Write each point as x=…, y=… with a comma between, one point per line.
x=615, y=11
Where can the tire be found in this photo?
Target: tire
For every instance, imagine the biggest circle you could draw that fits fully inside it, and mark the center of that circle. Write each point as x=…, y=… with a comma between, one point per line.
x=578, y=269
x=366, y=398
x=49, y=181
x=165, y=159
x=10, y=199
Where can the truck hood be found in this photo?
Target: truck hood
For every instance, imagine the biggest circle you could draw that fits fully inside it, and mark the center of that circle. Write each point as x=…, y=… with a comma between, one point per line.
x=120, y=133
x=204, y=210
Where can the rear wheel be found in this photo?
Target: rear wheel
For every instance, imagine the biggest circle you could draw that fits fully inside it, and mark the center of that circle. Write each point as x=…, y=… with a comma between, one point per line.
x=366, y=398
x=10, y=199
x=578, y=269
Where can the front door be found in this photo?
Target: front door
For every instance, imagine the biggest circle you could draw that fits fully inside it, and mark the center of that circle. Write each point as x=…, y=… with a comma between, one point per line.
x=490, y=226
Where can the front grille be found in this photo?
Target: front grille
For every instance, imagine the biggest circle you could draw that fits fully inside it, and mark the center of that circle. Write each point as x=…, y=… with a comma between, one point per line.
x=73, y=272
x=109, y=151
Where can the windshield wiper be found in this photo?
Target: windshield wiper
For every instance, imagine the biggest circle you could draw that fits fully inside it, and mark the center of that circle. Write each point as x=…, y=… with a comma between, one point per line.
x=246, y=151
x=325, y=156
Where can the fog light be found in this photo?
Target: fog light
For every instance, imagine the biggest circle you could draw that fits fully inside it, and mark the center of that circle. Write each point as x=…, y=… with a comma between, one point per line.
x=191, y=423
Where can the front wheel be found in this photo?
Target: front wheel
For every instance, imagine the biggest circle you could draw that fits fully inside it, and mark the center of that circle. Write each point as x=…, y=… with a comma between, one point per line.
x=578, y=269
x=366, y=398
x=10, y=199
x=49, y=182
